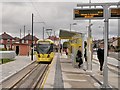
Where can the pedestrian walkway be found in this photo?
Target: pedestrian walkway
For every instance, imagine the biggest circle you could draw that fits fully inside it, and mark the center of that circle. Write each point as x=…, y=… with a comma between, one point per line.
x=8, y=69
x=71, y=77
x=75, y=77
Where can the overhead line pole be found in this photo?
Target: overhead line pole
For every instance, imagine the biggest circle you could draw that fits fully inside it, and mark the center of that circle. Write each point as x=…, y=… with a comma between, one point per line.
x=24, y=33
x=106, y=29
x=105, y=71
x=89, y=61
x=20, y=33
x=32, y=40
x=24, y=30
x=43, y=33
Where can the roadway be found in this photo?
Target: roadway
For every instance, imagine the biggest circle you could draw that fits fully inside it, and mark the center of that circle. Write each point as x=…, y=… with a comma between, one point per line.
x=114, y=55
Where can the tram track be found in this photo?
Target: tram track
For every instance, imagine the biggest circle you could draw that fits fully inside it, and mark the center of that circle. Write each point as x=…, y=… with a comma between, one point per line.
x=31, y=77
x=112, y=68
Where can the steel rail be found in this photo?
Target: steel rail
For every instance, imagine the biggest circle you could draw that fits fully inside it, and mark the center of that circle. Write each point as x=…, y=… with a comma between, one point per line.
x=33, y=79
x=110, y=67
x=25, y=76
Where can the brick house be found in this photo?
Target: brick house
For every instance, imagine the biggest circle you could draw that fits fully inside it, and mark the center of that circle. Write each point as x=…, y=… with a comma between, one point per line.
x=28, y=39
x=6, y=40
x=115, y=41
x=24, y=45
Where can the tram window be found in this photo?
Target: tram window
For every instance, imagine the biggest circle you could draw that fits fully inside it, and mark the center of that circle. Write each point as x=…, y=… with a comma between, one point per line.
x=43, y=48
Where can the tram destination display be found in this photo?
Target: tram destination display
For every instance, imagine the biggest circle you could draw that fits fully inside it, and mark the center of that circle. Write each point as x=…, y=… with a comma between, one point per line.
x=114, y=13
x=89, y=13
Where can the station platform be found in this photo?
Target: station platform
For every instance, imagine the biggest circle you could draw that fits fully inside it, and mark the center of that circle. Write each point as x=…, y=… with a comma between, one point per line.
x=62, y=74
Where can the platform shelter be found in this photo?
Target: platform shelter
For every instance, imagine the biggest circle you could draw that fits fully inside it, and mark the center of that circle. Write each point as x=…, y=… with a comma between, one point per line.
x=75, y=39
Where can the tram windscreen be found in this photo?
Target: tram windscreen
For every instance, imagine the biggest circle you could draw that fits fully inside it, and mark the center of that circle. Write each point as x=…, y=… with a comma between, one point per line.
x=43, y=48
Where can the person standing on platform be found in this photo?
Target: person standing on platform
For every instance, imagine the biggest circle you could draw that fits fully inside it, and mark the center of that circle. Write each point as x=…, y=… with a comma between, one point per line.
x=79, y=57
x=61, y=48
x=85, y=48
x=100, y=55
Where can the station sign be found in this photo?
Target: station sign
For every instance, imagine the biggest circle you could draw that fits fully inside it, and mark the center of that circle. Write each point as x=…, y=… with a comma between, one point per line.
x=89, y=13
x=114, y=13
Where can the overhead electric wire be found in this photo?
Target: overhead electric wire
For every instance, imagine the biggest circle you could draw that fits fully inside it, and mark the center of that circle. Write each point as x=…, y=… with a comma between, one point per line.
x=38, y=13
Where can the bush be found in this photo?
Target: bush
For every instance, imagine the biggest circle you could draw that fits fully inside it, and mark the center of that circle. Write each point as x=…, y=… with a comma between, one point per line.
x=3, y=49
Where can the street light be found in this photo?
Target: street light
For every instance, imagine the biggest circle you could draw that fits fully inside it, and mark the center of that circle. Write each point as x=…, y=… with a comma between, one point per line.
x=72, y=24
x=49, y=32
x=32, y=35
x=89, y=53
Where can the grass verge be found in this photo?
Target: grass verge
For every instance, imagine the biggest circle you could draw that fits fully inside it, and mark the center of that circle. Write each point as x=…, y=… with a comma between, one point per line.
x=5, y=60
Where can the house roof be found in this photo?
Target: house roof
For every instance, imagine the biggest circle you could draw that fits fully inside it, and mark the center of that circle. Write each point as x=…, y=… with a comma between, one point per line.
x=29, y=37
x=111, y=40
x=17, y=39
x=5, y=36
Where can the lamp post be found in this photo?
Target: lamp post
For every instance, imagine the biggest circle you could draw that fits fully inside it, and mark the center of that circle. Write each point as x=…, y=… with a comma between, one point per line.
x=72, y=24
x=32, y=40
x=28, y=42
x=89, y=53
x=49, y=32
x=32, y=36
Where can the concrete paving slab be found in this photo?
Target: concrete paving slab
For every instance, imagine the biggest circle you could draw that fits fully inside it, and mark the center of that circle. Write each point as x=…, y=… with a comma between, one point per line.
x=74, y=77
x=8, y=69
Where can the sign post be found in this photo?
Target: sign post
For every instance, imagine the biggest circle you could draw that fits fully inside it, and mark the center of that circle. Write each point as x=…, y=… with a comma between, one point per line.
x=102, y=13
x=106, y=22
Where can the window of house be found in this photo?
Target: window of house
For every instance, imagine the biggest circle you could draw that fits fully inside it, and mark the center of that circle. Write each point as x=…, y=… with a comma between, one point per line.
x=1, y=40
x=22, y=41
x=13, y=40
x=27, y=41
x=8, y=40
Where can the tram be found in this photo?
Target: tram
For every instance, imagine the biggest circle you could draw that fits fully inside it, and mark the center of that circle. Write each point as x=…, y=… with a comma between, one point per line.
x=45, y=52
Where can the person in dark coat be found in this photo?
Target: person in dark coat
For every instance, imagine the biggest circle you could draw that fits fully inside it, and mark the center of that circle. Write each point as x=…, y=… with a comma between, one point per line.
x=60, y=48
x=79, y=56
x=85, y=48
x=100, y=55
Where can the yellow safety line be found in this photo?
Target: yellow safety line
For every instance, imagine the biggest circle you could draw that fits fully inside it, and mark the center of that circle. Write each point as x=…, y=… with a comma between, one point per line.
x=46, y=75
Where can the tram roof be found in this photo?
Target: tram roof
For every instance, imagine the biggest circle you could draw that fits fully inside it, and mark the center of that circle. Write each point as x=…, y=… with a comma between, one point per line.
x=64, y=34
x=45, y=40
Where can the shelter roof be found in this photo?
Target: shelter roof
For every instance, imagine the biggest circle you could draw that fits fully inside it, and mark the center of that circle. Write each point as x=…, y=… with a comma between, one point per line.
x=64, y=34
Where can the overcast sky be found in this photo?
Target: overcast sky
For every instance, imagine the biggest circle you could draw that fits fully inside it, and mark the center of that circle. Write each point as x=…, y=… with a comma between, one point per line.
x=57, y=14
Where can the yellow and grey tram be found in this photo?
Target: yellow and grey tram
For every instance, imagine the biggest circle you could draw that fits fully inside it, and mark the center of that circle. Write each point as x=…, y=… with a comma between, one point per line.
x=45, y=52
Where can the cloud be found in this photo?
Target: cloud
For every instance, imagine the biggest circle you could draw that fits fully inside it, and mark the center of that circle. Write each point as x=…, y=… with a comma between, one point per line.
x=56, y=15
